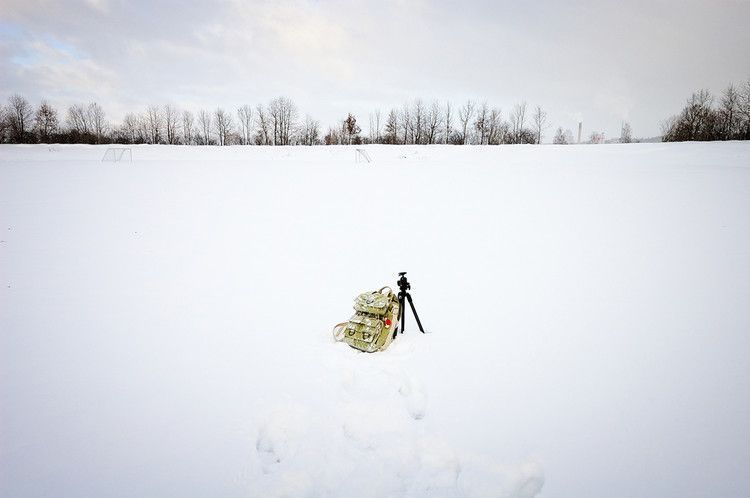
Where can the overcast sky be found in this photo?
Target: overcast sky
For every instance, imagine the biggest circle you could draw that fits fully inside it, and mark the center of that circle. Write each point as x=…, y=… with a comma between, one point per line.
x=598, y=61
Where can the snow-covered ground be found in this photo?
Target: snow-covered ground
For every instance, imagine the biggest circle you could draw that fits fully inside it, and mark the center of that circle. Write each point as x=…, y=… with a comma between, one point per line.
x=165, y=324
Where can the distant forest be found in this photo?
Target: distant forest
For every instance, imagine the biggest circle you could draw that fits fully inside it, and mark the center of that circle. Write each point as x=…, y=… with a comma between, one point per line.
x=703, y=118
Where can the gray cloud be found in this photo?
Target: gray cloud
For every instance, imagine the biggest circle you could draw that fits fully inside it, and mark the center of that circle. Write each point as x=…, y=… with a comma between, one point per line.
x=602, y=62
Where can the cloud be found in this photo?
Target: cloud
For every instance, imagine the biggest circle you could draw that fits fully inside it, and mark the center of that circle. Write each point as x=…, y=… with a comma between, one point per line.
x=585, y=58
x=100, y=5
x=47, y=67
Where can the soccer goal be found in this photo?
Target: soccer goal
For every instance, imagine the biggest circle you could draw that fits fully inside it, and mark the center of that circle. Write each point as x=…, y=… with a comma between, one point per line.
x=118, y=155
x=361, y=156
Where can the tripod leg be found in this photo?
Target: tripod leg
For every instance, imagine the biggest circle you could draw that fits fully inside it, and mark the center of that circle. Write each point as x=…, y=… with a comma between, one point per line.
x=414, y=310
x=402, y=314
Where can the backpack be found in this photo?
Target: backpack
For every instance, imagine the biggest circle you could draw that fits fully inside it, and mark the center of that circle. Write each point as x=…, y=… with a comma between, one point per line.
x=373, y=326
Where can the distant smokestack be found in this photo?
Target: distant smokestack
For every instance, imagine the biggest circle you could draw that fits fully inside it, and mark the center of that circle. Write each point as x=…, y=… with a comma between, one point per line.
x=580, y=127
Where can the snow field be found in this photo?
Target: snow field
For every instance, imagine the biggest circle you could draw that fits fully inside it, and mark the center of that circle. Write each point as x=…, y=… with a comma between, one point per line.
x=165, y=325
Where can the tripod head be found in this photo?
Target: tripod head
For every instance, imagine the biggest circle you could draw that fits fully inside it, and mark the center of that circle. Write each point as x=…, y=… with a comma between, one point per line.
x=403, y=284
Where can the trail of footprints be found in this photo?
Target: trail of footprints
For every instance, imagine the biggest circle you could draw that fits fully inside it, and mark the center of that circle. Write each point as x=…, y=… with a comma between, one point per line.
x=366, y=437
x=375, y=427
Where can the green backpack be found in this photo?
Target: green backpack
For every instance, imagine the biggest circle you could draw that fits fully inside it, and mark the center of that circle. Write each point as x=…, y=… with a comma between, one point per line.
x=373, y=326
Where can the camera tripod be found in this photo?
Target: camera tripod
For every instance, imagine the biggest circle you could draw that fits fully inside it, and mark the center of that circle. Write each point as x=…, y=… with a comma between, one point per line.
x=403, y=295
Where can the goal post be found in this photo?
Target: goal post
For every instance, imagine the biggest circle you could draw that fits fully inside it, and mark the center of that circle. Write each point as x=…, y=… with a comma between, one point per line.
x=118, y=155
x=361, y=156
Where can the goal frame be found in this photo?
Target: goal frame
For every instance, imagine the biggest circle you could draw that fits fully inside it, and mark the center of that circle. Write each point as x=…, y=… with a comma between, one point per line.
x=118, y=155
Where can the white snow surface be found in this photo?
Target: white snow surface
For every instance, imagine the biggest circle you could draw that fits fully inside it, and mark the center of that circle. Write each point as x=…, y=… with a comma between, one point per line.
x=165, y=324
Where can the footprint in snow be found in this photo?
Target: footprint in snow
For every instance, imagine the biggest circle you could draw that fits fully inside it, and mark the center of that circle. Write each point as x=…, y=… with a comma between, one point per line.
x=415, y=397
x=280, y=435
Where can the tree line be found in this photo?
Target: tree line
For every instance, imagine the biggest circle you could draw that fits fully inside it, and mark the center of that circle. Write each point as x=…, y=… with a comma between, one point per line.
x=704, y=118
x=278, y=122
x=418, y=123
x=274, y=123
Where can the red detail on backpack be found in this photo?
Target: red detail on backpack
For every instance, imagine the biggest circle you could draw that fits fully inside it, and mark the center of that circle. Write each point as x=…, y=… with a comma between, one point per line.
x=387, y=322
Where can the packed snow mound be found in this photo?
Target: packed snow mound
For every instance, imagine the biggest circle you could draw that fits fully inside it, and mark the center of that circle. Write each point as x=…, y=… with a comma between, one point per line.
x=165, y=324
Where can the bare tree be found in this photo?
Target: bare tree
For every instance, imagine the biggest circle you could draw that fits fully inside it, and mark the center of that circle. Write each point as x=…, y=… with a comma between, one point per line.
x=377, y=126
x=433, y=122
x=626, y=133
x=668, y=127
x=696, y=114
x=517, y=121
x=275, y=119
x=4, y=125
x=19, y=115
x=480, y=123
x=495, y=128
x=729, y=113
x=87, y=122
x=154, y=123
x=343, y=133
x=744, y=110
x=171, y=122
x=98, y=123
x=282, y=113
x=569, y=136
x=391, y=127
x=264, y=128
x=405, y=122
x=130, y=128
x=289, y=115
x=559, y=138
x=224, y=125
x=246, y=119
x=448, y=122
x=563, y=137
x=45, y=121
x=187, y=127
x=310, y=131
x=419, y=121
x=465, y=114
x=204, y=124
x=540, y=123
x=78, y=119
x=697, y=121
x=332, y=137
x=700, y=120
x=143, y=131
x=371, y=118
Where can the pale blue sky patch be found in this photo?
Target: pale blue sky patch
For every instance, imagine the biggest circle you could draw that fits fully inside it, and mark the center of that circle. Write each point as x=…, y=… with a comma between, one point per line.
x=9, y=30
x=32, y=53
x=64, y=47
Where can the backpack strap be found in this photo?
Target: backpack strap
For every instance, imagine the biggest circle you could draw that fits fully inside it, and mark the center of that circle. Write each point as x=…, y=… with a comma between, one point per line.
x=338, y=331
x=390, y=291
